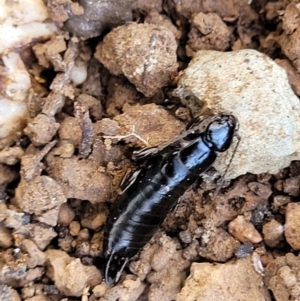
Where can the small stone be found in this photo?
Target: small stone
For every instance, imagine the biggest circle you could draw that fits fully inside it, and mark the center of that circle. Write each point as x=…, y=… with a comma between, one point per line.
x=11, y=155
x=107, y=127
x=260, y=189
x=87, y=19
x=34, y=274
x=219, y=246
x=39, y=196
x=292, y=225
x=7, y=174
x=281, y=200
x=28, y=292
x=130, y=289
x=65, y=243
x=65, y=149
x=42, y=129
x=42, y=234
x=273, y=233
x=99, y=290
x=244, y=250
x=186, y=237
x=6, y=238
x=66, y=214
x=36, y=256
x=84, y=234
x=74, y=228
x=70, y=130
x=208, y=32
x=94, y=217
x=288, y=276
x=64, y=271
x=243, y=230
x=291, y=186
x=282, y=276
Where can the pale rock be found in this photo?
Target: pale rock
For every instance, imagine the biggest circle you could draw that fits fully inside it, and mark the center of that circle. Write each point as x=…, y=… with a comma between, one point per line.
x=234, y=281
x=243, y=230
x=253, y=88
x=69, y=275
x=35, y=255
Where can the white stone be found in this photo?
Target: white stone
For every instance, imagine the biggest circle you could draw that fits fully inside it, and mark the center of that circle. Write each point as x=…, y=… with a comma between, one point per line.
x=252, y=87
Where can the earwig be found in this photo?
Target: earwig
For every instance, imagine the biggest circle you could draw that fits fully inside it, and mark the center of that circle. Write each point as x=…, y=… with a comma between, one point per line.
x=151, y=192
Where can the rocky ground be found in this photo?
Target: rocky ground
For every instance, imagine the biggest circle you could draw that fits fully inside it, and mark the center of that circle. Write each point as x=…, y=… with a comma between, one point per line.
x=116, y=77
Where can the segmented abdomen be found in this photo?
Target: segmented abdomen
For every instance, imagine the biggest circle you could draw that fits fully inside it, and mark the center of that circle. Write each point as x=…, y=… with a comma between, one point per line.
x=142, y=208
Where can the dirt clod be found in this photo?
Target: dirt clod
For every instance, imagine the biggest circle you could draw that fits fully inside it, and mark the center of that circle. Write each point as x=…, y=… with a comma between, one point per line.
x=148, y=122
x=144, y=53
x=208, y=32
x=207, y=282
x=39, y=196
x=36, y=256
x=282, y=277
x=63, y=270
x=81, y=179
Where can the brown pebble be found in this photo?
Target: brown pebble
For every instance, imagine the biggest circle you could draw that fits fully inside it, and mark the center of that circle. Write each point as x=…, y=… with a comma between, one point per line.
x=94, y=217
x=99, y=290
x=281, y=200
x=84, y=234
x=273, y=233
x=34, y=274
x=260, y=189
x=41, y=234
x=28, y=292
x=66, y=214
x=64, y=271
x=74, y=228
x=292, y=225
x=65, y=243
x=291, y=186
x=6, y=239
x=36, y=256
x=220, y=246
x=244, y=230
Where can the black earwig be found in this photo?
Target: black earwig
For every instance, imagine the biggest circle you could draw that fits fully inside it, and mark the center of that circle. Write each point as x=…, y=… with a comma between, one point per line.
x=151, y=192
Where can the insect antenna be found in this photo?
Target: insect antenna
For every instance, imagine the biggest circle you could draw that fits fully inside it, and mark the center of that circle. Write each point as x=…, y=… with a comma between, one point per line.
x=226, y=170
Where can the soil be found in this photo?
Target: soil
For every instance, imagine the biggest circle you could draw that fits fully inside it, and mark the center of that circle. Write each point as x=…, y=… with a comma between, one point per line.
x=58, y=181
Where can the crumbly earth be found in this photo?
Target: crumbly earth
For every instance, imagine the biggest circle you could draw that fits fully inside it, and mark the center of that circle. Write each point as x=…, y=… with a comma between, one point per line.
x=104, y=87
